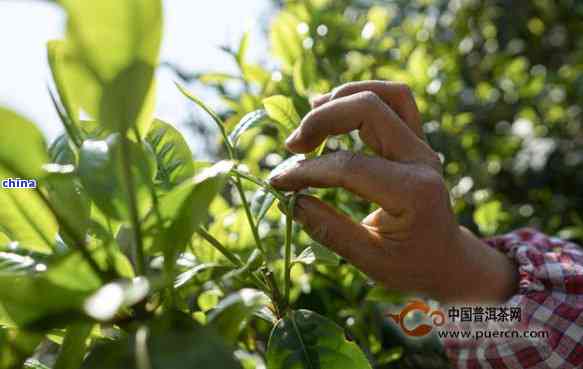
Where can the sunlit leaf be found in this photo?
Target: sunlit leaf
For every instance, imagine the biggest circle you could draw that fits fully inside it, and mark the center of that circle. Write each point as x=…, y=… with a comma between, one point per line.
x=250, y=120
x=24, y=150
x=102, y=174
x=183, y=209
x=173, y=155
x=234, y=311
x=24, y=214
x=317, y=253
x=281, y=109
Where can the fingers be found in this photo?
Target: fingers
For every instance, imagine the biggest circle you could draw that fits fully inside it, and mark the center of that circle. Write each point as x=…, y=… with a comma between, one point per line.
x=370, y=177
x=379, y=127
x=396, y=95
x=338, y=232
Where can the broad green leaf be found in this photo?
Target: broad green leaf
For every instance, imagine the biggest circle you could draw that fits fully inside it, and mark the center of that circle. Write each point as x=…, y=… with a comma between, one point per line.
x=231, y=315
x=281, y=109
x=34, y=302
x=173, y=155
x=183, y=209
x=71, y=204
x=132, y=31
x=102, y=175
x=25, y=218
x=78, y=88
x=286, y=43
x=250, y=120
x=176, y=342
x=129, y=99
x=23, y=150
x=306, y=340
x=317, y=253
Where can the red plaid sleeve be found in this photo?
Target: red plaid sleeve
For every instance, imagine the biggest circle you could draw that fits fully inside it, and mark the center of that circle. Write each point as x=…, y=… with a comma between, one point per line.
x=550, y=295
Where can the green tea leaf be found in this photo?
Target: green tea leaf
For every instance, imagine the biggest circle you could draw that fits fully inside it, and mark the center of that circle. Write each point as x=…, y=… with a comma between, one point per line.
x=173, y=155
x=23, y=150
x=129, y=99
x=78, y=89
x=261, y=202
x=281, y=109
x=25, y=218
x=101, y=173
x=306, y=340
x=233, y=312
x=250, y=120
x=33, y=302
x=71, y=204
x=132, y=31
x=183, y=209
x=176, y=342
x=317, y=253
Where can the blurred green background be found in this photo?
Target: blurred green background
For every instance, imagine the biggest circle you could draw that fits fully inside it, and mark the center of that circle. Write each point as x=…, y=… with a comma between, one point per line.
x=499, y=85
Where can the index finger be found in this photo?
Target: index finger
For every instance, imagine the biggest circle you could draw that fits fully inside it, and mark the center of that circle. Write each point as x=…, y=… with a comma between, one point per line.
x=396, y=95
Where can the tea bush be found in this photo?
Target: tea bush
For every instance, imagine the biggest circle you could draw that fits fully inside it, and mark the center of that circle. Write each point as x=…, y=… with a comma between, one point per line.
x=132, y=254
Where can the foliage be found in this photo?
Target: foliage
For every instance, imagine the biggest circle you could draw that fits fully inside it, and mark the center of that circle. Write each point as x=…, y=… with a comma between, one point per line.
x=130, y=253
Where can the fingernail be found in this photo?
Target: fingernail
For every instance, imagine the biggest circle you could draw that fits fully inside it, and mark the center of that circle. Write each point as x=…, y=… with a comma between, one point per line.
x=294, y=135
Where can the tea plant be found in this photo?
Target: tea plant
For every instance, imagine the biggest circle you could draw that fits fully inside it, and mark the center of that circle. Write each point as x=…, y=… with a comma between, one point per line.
x=115, y=257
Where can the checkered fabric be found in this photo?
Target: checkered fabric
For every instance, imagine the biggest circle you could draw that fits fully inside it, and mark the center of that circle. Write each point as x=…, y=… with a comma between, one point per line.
x=550, y=294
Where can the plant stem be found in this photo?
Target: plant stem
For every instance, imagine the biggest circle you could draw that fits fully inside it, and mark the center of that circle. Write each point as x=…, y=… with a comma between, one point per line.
x=288, y=241
x=250, y=219
x=219, y=246
x=229, y=255
x=261, y=184
x=134, y=216
x=78, y=242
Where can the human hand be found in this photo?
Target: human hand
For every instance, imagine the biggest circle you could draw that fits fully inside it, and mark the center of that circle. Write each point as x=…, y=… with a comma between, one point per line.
x=413, y=242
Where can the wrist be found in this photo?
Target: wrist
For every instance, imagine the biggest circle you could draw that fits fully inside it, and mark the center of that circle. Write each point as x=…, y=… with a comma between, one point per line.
x=479, y=273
